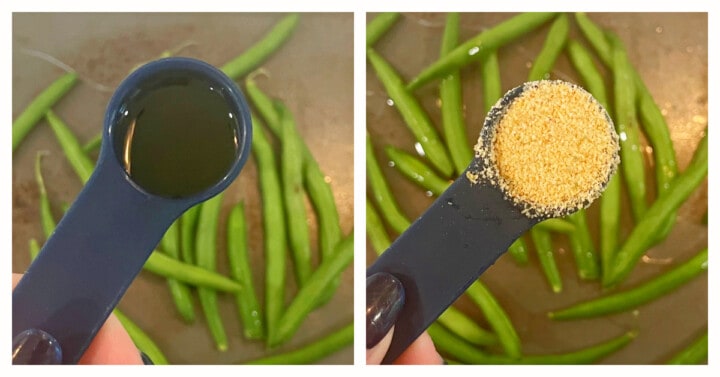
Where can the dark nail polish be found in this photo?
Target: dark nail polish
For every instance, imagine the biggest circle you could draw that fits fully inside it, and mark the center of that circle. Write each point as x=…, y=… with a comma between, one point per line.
x=385, y=298
x=146, y=359
x=36, y=347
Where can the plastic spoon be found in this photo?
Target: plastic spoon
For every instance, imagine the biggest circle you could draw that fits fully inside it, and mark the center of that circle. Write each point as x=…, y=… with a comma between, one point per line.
x=102, y=242
x=466, y=230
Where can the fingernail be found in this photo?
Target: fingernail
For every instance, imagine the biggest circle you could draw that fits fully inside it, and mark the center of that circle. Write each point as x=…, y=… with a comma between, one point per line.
x=385, y=298
x=146, y=359
x=36, y=347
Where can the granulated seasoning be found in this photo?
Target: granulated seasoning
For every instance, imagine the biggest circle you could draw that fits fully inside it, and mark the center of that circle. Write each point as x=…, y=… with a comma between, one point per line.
x=552, y=151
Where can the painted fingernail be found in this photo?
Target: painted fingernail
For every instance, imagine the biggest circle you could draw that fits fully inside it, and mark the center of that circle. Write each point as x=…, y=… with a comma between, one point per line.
x=36, y=347
x=385, y=298
x=146, y=359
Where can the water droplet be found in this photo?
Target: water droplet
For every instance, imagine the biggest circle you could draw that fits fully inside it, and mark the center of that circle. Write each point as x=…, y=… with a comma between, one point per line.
x=659, y=29
x=391, y=164
x=327, y=179
x=429, y=194
x=473, y=50
x=623, y=136
x=390, y=102
x=419, y=149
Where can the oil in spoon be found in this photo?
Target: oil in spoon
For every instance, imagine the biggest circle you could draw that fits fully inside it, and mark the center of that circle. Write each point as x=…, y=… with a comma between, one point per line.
x=180, y=135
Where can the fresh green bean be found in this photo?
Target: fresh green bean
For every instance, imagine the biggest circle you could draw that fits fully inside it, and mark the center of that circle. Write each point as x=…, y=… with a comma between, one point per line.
x=142, y=340
x=453, y=117
x=46, y=218
x=595, y=35
x=312, y=352
x=273, y=224
x=583, y=249
x=417, y=171
x=464, y=327
x=496, y=317
x=240, y=270
x=80, y=162
x=188, y=227
x=466, y=353
x=630, y=148
x=610, y=199
x=518, y=250
x=264, y=105
x=479, y=45
x=33, y=248
x=638, y=295
x=378, y=26
x=641, y=237
x=554, y=43
x=379, y=239
x=695, y=353
x=544, y=249
x=39, y=106
x=294, y=198
x=557, y=225
x=93, y=144
x=309, y=295
x=160, y=264
x=416, y=119
x=258, y=52
x=380, y=191
x=491, y=84
x=206, y=254
x=179, y=291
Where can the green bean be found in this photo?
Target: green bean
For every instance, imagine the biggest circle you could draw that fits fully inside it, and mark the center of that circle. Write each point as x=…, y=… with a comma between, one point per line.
x=46, y=217
x=491, y=84
x=379, y=239
x=496, y=317
x=93, y=144
x=160, y=264
x=378, y=26
x=591, y=77
x=179, y=291
x=479, y=45
x=453, y=118
x=380, y=191
x=319, y=191
x=188, y=227
x=258, y=52
x=293, y=195
x=595, y=35
x=80, y=162
x=309, y=295
x=466, y=353
x=273, y=224
x=544, y=249
x=583, y=249
x=518, y=250
x=206, y=254
x=464, y=327
x=39, y=106
x=640, y=237
x=557, y=225
x=695, y=353
x=630, y=149
x=416, y=119
x=312, y=352
x=417, y=171
x=240, y=270
x=610, y=199
x=554, y=43
x=638, y=295
x=33, y=248
x=142, y=341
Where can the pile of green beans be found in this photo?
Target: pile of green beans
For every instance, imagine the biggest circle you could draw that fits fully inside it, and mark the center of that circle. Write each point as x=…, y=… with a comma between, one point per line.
x=188, y=254
x=635, y=114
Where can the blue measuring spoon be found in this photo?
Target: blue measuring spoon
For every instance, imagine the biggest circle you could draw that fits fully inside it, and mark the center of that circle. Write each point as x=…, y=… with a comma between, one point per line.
x=102, y=242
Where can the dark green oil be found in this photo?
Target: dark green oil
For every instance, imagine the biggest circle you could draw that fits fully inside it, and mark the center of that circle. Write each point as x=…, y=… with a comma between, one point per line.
x=177, y=136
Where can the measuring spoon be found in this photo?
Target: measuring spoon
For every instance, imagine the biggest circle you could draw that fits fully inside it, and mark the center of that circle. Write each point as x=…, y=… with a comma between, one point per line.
x=177, y=132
